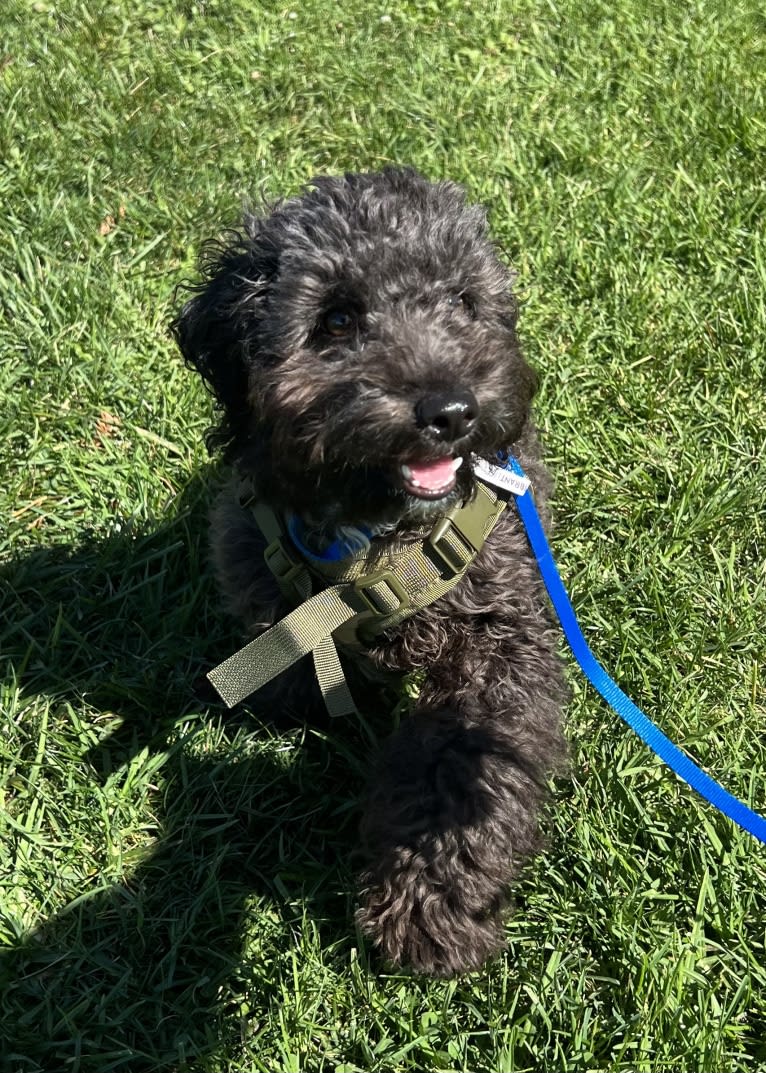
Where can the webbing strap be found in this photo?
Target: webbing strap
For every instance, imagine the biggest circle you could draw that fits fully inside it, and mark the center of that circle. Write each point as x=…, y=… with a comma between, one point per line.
x=287, y=641
x=294, y=581
x=332, y=681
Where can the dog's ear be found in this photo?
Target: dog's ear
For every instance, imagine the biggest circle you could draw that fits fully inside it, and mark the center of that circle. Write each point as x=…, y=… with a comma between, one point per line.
x=217, y=329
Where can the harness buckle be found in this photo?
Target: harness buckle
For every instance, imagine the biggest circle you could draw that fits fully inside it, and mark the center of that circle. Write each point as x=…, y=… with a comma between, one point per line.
x=457, y=543
x=376, y=602
x=286, y=570
x=451, y=545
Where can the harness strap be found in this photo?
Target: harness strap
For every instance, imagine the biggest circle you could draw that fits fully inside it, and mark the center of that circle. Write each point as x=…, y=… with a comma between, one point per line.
x=294, y=580
x=332, y=681
x=286, y=642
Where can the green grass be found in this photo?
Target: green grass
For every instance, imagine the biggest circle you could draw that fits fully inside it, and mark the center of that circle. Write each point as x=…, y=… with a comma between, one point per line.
x=176, y=887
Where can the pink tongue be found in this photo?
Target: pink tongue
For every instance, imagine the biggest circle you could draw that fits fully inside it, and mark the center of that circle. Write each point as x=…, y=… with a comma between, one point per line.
x=432, y=474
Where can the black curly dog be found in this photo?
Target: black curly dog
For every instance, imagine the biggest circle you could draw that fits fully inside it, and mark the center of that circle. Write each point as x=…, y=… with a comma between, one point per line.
x=360, y=340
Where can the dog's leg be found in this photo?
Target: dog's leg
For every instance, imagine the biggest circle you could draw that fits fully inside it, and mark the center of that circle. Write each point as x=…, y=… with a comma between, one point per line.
x=453, y=813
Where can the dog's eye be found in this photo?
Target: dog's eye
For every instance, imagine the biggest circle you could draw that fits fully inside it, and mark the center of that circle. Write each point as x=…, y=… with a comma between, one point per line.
x=338, y=322
x=463, y=303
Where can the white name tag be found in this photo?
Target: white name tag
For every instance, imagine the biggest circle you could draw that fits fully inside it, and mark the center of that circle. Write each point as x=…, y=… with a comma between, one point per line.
x=501, y=478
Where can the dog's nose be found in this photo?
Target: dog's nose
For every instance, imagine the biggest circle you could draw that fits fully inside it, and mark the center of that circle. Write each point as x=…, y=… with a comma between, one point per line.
x=447, y=415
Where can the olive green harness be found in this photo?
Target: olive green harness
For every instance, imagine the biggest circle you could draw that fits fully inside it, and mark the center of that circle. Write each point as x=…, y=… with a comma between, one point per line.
x=360, y=595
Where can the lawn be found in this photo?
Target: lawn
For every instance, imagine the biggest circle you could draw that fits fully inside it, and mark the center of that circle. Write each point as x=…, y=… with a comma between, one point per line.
x=176, y=883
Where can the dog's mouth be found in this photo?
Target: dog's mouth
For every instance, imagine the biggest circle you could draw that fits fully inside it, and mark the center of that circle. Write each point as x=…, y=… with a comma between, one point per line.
x=429, y=480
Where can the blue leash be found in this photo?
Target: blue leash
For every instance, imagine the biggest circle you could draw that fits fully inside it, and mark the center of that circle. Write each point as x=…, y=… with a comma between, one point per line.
x=678, y=761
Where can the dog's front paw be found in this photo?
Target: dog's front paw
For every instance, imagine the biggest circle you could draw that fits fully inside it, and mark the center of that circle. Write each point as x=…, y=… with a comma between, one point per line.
x=452, y=815
x=418, y=926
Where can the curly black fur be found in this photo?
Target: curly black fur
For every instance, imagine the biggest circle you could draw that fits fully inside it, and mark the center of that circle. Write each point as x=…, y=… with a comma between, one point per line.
x=320, y=329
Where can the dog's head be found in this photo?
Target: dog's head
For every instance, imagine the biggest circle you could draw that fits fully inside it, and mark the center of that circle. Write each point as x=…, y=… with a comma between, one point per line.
x=360, y=339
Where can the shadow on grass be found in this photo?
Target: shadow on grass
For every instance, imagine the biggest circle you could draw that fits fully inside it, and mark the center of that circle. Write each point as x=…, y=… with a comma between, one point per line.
x=150, y=974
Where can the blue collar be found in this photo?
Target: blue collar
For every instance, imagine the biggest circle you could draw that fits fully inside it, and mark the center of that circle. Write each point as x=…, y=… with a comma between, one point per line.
x=334, y=552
